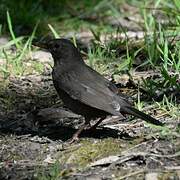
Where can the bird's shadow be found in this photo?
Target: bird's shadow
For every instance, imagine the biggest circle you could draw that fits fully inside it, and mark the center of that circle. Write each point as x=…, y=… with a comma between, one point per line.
x=54, y=131
x=65, y=133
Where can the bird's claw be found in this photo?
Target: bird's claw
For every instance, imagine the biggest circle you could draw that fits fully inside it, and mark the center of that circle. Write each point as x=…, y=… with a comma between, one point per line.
x=73, y=140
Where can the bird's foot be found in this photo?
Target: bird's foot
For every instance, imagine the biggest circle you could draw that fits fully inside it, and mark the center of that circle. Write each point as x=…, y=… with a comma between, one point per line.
x=74, y=139
x=88, y=126
x=92, y=128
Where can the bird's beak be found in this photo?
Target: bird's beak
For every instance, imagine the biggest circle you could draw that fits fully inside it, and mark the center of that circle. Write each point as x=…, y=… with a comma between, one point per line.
x=41, y=44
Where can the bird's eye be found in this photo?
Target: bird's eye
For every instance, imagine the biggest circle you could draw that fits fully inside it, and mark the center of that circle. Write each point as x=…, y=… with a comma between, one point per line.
x=56, y=46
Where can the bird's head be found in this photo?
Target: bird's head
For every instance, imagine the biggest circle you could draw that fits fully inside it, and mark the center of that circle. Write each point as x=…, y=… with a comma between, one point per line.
x=61, y=49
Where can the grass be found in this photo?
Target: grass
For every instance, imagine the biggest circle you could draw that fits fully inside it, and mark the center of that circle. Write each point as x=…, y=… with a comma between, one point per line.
x=13, y=61
x=55, y=172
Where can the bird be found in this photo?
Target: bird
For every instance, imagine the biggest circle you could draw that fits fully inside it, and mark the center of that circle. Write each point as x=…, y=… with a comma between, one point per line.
x=85, y=91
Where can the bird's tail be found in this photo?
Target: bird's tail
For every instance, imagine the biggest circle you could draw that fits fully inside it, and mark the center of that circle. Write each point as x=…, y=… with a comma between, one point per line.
x=139, y=114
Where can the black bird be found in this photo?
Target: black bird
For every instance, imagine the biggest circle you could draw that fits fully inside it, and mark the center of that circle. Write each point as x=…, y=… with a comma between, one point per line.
x=83, y=90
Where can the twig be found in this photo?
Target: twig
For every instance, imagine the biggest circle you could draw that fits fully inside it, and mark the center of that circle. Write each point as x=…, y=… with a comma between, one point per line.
x=172, y=167
x=151, y=154
x=136, y=146
x=131, y=174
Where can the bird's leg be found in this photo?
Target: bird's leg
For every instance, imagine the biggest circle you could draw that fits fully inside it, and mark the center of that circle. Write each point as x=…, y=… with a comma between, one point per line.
x=88, y=125
x=75, y=136
x=96, y=124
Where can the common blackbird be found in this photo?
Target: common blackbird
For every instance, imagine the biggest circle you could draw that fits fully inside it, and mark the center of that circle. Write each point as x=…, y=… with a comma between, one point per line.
x=85, y=91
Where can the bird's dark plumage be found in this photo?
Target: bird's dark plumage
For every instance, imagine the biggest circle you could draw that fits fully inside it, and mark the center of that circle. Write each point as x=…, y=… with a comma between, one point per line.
x=82, y=89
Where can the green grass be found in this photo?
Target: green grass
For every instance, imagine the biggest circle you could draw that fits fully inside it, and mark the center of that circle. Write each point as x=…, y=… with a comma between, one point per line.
x=14, y=61
x=68, y=14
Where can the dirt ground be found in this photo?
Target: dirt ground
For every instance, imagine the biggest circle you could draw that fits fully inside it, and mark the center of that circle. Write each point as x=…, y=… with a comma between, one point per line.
x=34, y=128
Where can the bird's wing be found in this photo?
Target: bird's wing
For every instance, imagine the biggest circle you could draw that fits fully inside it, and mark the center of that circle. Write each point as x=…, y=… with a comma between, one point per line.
x=92, y=89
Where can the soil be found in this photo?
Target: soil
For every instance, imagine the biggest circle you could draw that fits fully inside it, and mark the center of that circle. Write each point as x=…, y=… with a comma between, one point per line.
x=35, y=127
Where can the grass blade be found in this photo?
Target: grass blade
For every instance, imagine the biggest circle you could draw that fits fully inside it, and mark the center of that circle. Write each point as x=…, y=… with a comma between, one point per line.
x=56, y=35
x=11, y=29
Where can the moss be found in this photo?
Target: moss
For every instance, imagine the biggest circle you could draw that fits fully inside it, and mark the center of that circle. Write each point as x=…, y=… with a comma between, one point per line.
x=90, y=151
